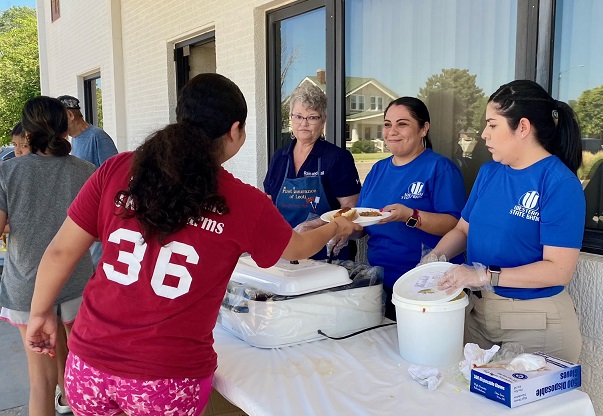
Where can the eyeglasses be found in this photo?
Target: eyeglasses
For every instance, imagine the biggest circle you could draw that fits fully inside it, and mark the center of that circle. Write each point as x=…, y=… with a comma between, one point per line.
x=297, y=119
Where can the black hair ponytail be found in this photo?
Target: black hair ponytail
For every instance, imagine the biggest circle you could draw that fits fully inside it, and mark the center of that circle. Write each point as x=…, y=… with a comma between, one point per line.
x=554, y=121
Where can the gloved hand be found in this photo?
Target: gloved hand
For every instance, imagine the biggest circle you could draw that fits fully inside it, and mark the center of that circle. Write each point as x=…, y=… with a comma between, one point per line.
x=462, y=275
x=309, y=225
x=430, y=256
x=336, y=244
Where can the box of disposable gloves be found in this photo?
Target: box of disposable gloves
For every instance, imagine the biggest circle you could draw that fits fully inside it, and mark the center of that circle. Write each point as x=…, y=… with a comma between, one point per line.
x=526, y=379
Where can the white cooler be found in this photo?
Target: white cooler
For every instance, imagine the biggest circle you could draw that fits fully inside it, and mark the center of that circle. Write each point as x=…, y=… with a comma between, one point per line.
x=289, y=303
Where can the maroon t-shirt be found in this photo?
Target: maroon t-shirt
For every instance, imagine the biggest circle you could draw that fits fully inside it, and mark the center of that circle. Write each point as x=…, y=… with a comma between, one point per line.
x=149, y=310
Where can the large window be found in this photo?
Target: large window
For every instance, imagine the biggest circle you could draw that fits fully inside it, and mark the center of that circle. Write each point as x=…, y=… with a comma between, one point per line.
x=298, y=55
x=443, y=55
x=577, y=78
x=452, y=54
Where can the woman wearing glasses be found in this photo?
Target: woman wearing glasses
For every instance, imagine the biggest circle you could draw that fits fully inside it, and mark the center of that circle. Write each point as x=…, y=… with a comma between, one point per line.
x=311, y=176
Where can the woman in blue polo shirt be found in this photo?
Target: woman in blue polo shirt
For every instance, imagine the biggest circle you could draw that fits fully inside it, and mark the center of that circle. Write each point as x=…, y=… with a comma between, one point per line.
x=311, y=176
x=423, y=191
x=527, y=213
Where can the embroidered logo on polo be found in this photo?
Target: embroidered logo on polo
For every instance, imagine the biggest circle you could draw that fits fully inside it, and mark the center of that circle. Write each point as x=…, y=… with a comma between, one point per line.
x=528, y=206
x=415, y=191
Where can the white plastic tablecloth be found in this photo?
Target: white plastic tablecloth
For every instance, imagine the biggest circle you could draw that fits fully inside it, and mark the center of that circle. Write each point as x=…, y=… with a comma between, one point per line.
x=362, y=375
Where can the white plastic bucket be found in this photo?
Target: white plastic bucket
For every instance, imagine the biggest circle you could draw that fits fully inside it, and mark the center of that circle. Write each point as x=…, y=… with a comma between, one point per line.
x=430, y=332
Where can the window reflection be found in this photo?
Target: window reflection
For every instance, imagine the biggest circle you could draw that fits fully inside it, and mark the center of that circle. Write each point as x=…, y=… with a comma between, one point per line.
x=578, y=80
x=452, y=54
x=302, y=59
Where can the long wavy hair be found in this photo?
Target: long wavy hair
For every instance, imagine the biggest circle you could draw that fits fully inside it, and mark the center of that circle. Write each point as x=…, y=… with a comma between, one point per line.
x=44, y=120
x=174, y=174
x=555, y=123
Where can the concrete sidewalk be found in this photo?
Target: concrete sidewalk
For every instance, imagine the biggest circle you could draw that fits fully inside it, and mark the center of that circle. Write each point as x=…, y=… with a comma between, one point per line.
x=14, y=380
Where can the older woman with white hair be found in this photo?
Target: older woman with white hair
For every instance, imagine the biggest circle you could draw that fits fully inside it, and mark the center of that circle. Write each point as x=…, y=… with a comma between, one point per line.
x=311, y=176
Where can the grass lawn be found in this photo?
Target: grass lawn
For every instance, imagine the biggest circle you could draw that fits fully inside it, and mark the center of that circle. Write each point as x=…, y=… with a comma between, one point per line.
x=370, y=157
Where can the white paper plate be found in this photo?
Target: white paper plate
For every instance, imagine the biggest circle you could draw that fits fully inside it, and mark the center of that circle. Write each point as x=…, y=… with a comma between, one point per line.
x=364, y=221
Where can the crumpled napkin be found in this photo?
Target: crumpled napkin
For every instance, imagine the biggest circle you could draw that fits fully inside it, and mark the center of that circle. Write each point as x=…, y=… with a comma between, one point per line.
x=475, y=356
x=426, y=376
x=526, y=362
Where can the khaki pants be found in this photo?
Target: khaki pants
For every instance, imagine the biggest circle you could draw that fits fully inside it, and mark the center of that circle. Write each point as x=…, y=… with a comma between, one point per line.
x=549, y=324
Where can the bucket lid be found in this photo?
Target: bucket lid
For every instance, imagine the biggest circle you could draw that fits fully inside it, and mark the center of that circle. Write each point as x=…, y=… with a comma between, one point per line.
x=419, y=285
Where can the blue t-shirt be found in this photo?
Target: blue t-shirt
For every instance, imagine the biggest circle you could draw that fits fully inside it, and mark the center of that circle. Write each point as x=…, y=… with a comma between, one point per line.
x=339, y=176
x=430, y=183
x=93, y=145
x=513, y=213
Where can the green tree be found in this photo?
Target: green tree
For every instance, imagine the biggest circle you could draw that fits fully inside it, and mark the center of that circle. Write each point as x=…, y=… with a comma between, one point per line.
x=589, y=110
x=458, y=90
x=19, y=65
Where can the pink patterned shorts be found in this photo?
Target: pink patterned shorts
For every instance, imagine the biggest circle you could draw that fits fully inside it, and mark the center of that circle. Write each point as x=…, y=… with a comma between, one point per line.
x=95, y=393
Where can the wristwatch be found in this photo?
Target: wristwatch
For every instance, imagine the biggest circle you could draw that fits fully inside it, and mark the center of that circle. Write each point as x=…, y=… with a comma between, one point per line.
x=494, y=274
x=414, y=219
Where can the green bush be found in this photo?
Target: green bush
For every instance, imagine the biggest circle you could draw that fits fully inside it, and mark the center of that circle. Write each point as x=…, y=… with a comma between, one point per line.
x=588, y=161
x=363, y=146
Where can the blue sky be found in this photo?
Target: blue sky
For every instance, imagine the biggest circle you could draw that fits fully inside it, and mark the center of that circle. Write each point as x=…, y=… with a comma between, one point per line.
x=7, y=4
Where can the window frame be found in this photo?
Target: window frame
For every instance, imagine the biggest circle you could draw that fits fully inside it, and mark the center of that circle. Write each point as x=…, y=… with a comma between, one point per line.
x=90, y=104
x=182, y=53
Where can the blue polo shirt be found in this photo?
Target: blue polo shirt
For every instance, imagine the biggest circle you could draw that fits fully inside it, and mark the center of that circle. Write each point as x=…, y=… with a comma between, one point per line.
x=339, y=176
x=514, y=213
x=430, y=183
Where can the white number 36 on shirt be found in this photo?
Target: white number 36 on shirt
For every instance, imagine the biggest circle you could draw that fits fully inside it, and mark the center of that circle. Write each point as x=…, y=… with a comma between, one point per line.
x=163, y=266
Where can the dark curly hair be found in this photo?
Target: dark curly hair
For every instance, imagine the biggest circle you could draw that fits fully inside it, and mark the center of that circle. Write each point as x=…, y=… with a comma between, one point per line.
x=44, y=119
x=174, y=174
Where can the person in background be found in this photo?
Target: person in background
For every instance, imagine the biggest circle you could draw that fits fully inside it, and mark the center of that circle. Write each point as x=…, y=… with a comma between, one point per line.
x=36, y=213
x=423, y=191
x=21, y=146
x=19, y=141
x=522, y=226
x=173, y=225
x=89, y=143
x=311, y=176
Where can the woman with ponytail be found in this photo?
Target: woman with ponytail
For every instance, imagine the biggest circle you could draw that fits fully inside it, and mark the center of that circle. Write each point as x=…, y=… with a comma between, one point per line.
x=173, y=223
x=35, y=191
x=522, y=226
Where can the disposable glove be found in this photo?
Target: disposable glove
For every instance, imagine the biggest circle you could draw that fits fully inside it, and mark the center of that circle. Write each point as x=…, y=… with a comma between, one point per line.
x=462, y=275
x=309, y=225
x=430, y=256
x=336, y=244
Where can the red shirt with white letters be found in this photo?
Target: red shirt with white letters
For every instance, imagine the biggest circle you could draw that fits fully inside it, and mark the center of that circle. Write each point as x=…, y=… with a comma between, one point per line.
x=149, y=310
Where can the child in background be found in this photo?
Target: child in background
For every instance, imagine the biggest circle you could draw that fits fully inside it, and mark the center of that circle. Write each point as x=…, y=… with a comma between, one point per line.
x=19, y=141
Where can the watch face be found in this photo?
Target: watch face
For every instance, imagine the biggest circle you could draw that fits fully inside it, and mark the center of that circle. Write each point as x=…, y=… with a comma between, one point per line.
x=412, y=222
x=495, y=269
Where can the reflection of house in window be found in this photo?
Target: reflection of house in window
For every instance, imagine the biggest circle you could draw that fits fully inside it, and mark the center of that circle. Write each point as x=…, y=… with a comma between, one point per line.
x=55, y=10
x=357, y=102
x=360, y=122
x=376, y=103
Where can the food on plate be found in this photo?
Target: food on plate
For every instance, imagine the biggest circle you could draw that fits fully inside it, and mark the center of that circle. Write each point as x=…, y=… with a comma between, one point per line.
x=349, y=213
x=370, y=214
